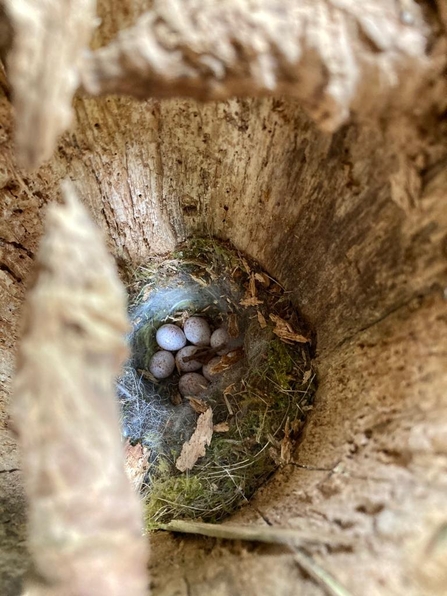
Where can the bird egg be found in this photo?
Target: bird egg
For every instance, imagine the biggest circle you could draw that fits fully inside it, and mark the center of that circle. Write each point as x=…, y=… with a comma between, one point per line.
x=197, y=331
x=219, y=340
x=170, y=337
x=189, y=366
x=192, y=384
x=162, y=364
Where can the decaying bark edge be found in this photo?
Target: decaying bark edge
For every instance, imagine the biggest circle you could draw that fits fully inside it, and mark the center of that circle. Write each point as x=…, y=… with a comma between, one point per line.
x=85, y=528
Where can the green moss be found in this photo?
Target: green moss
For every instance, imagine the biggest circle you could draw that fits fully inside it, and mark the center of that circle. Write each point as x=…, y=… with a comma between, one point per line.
x=171, y=497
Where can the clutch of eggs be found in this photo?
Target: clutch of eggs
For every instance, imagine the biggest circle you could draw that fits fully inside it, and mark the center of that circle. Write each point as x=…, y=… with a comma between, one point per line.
x=171, y=338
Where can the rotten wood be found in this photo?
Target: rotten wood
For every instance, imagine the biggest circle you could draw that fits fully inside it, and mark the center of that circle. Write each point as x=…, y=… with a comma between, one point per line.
x=85, y=521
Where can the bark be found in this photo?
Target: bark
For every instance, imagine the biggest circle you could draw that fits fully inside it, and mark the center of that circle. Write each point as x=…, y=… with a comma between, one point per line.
x=85, y=528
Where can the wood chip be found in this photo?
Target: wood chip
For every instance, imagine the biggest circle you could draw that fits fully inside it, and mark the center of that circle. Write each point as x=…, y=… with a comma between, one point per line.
x=195, y=448
x=250, y=298
x=246, y=266
x=285, y=331
x=250, y=301
x=233, y=326
x=261, y=320
x=252, y=285
x=198, y=405
x=222, y=427
x=227, y=361
x=147, y=375
x=263, y=279
x=307, y=375
x=197, y=279
x=136, y=463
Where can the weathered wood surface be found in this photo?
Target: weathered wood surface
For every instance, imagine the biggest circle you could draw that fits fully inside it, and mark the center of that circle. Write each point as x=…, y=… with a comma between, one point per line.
x=84, y=519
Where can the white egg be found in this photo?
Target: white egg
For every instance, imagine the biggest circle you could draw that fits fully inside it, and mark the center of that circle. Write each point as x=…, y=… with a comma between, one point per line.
x=189, y=366
x=170, y=337
x=192, y=384
x=219, y=340
x=197, y=331
x=208, y=372
x=162, y=364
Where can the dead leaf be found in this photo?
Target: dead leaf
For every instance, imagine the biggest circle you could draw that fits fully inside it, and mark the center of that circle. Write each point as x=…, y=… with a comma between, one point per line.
x=285, y=331
x=195, y=448
x=198, y=405
x=202, y=355
x=261, y=320
x=136, y=463
x=222, y=427
x=228, y=391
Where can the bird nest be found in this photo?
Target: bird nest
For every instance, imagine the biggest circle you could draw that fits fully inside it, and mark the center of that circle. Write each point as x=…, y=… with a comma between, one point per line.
x=202, y=457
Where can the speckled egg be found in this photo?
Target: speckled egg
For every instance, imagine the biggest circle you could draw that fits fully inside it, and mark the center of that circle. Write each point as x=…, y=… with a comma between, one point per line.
x=189, y=366
x=208, y=372
x=170, y=337
x=192, y=384
x=197, y=331
x=219, y=340
x=162, y=364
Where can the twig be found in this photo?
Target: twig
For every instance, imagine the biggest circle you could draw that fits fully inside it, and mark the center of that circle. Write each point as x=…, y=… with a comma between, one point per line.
x=331, y=586
x=270, y=535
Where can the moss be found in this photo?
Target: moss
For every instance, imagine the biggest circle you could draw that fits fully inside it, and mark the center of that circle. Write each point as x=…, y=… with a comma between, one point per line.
x=170, y=496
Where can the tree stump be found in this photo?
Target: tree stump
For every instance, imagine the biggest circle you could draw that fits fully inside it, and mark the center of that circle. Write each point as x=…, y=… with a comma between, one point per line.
x=351, y=220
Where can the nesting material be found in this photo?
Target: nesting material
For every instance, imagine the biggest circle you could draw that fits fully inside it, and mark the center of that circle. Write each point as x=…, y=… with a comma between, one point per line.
x=230, y=412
